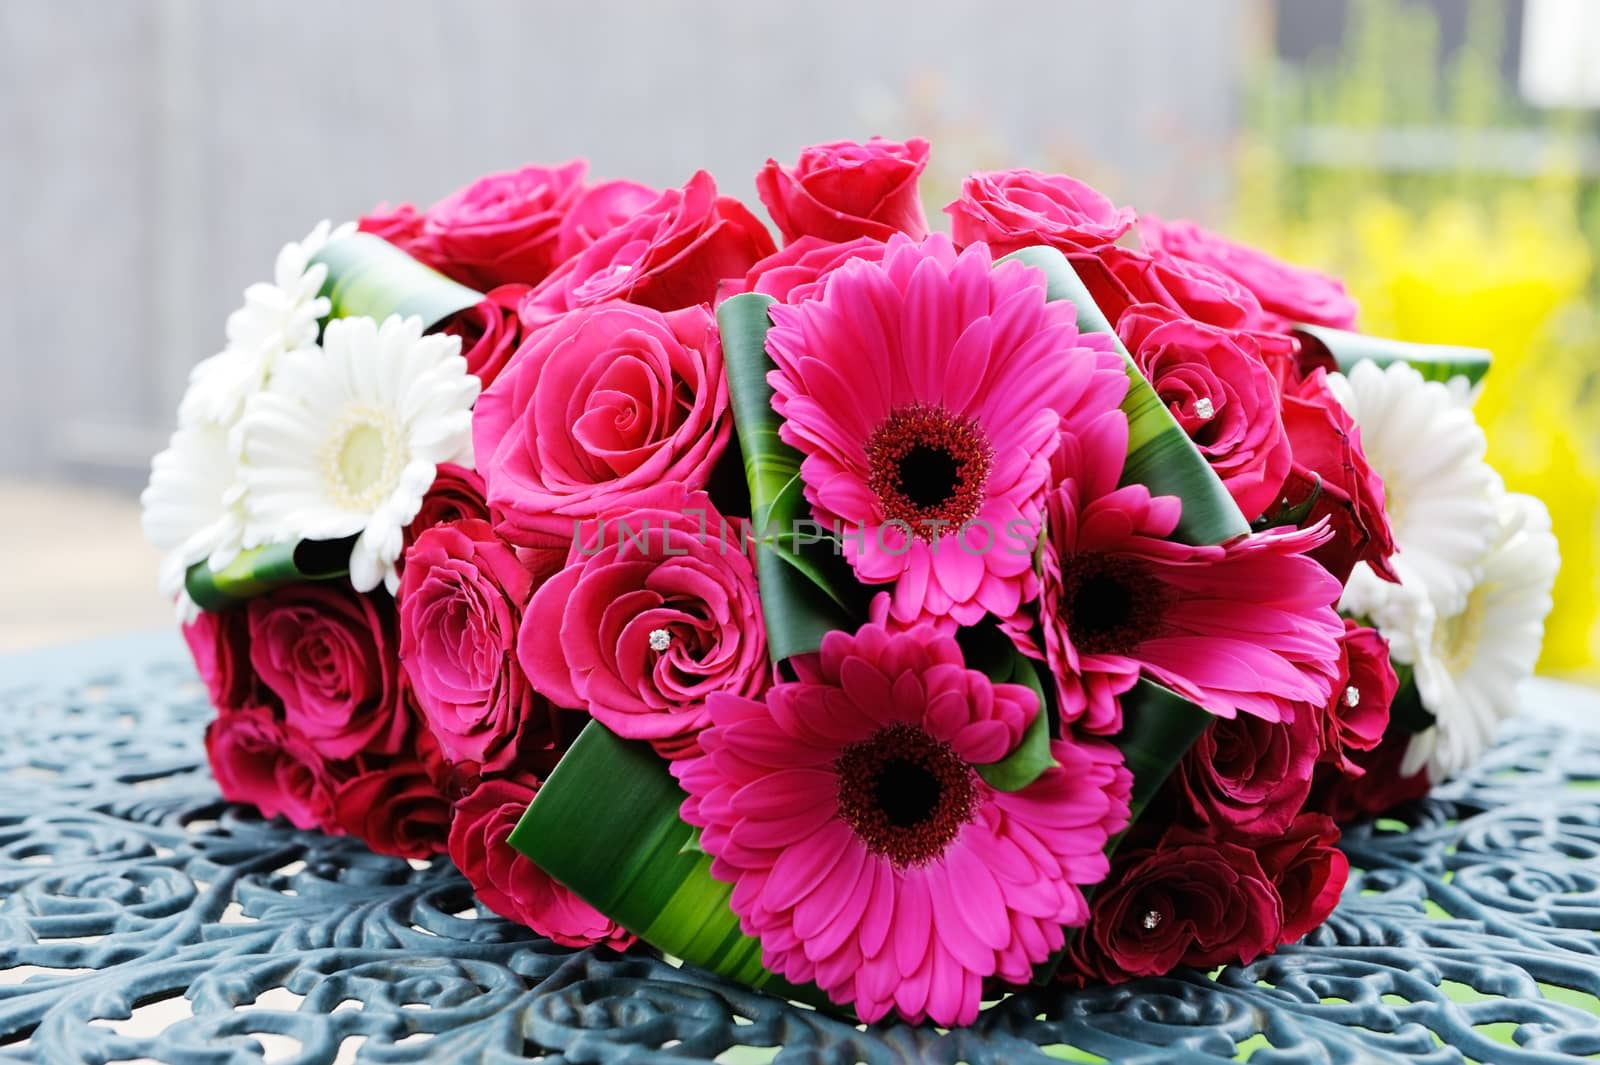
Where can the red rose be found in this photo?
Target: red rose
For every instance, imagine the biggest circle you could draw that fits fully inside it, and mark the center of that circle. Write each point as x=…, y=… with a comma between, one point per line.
x=1288, y=294
x=1378, y=788
x=1327, y=461
x=330, y=656
x=503, y=228
x=508, y=882
x=1012, y=209
x=1308, y=870
x=669, y=255
x=457, y=493
x=1358, y=714
x=1186, y=901
x=600, y=210
x=219, y=643
x=1120, y=277
x=489, y=332
x=596, y=407
x=461, y=602
x=260, y=761
x=1222, y=395
x=1247, y=776
x=796, y=272
x=400, y=226
x=845, y=190
x=394, y=807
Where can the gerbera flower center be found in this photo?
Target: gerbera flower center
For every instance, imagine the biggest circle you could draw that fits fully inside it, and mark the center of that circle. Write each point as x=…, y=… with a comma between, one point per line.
x=1109, y=604
x=362, y=459
x=1456, y=638
x=905, y=794
x=928, y=468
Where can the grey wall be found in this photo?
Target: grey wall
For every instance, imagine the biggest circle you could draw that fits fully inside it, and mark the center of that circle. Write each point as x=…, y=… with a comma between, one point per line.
x=154, y=154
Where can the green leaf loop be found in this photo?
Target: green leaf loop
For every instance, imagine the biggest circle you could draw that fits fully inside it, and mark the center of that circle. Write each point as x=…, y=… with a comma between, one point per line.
x=369, y=277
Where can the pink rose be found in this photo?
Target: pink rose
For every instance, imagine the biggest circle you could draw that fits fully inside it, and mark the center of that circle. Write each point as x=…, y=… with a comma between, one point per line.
x=797, y=271
x=1375, y=788
x=395, y=808
x=656, y=610
x=503, y=228
x=1189, y=900
x=600, y=210
x=330, y=656
x=489, y=332
x=1120, y=277
x=260, y=761
x=1222, y=394
x=599, y=405
x=400, y=226
x=508, y=882
x=1246, y=776
x=1288, y=294
x=219, y=643
x=670, y=254
x=1308, y=870
x=460, y=602
x=844, y=190
x=1358, y=714
x=1328, y=463
x=1012, y=209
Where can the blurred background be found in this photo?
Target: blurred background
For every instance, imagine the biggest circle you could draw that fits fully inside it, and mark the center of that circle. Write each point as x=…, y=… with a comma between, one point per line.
x=1443, y=156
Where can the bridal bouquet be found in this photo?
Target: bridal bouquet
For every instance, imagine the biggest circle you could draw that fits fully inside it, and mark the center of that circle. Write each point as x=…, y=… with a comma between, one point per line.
x=878, y=617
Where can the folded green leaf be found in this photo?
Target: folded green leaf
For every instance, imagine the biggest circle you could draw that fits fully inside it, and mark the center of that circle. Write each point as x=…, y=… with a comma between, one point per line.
x=261, y=569
x=606, y=826
x=369, y=277
x=1160, y=454
x=807, y=589
x=1436, y=362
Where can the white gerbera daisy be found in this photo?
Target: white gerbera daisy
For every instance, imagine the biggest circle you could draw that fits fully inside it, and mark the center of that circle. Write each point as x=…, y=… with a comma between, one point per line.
x=282, y=314
x=1468, y=670
x=192, y=507
x=1422, y=440
x=345, y=440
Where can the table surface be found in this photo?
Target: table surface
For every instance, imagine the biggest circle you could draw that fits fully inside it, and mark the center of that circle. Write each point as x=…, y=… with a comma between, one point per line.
x=143, y=919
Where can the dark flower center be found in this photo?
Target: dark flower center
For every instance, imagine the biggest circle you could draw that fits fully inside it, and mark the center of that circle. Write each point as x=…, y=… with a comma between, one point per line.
x=905, y=794
x=928, y=468
x=1109, y=604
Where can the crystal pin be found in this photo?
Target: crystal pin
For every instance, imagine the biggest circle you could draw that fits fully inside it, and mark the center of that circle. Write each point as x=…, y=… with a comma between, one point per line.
x=1352, y=696
x=1151, y=921
x=1203, y=409
x=660, y=639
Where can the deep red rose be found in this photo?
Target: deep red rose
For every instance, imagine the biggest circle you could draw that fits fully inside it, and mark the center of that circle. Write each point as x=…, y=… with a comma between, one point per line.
x=797, y=271
x=1012, y=209
x=1326, y=448
x=457, y=493
x=490, y=331
x=1288, y=294
x=503, y=228
x=461, y=601
x=1186, y=901
x=1358, y=714
x=1221, y=393
x=508, y=882
x=669, y=255
x=1378, y=789
x=400, y=226
x=600, y=210
x=1120, y=277
x=260, y=761
x=844, y=190
x=394, y=807
x=332, y=657
x=1246, y=776
x=1308, y=870
x=219, y=643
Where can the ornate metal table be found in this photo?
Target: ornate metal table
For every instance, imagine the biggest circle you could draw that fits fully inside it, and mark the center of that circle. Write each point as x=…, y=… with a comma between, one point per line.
x=143, y=919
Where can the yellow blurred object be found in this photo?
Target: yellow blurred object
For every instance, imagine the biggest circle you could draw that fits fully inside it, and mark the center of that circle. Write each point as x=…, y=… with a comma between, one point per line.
x=1510, y=273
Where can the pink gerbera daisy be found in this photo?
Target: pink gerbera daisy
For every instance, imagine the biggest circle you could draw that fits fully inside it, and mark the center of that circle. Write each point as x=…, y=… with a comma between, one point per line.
x=1248, y=626
x=927, y=392
x=866, y=852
